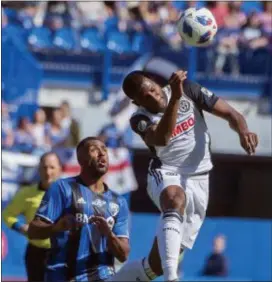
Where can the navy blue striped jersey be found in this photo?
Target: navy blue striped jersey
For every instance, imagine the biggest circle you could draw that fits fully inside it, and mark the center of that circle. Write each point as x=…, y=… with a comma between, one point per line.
x=82, y=254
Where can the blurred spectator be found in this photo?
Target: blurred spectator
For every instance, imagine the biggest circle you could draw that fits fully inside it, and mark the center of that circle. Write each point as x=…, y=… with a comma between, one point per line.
x=216, y=263
x=26, y=14
x=57, y=15
x=7, y=132
x=4, y=18
x=38, y=130
x=219, y=10
x=111, y=136
x=235, y=17
x=228, y=39
x=252, y=34
x=111, y=22
x=57, y=134
x=265, y=17
x=70, y=124
x=24, y=140
x=93, y=12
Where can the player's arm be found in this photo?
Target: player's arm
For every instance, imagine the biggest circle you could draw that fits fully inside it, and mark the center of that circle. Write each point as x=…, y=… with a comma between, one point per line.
x=237, y=122
x=160, y=134
x=209, y=102
x=48, y=219
x=13, y=210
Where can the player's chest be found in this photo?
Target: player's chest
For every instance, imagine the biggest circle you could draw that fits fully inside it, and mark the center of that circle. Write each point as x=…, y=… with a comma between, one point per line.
x=90, y=205
x=186, y=110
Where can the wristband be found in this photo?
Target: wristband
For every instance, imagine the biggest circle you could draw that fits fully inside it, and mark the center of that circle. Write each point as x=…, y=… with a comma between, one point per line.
x=17, y=226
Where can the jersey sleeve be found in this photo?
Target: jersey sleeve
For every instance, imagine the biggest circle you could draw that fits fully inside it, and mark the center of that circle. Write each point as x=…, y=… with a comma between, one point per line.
x=52, y=204
x=140, y=123
x=204, y=98
x=121, y=226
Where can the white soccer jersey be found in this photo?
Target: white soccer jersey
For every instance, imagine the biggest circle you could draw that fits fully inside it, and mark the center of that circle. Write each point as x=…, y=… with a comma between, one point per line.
x=189, y=146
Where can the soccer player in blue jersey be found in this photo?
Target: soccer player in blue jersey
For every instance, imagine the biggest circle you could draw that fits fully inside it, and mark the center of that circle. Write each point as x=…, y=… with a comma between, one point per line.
x=86, y=222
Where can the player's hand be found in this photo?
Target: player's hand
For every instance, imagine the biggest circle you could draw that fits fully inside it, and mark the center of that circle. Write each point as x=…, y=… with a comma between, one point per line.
x=249, y=141
x=66, y=223
x=24, y=229
x=102, y=225
x=176, y=83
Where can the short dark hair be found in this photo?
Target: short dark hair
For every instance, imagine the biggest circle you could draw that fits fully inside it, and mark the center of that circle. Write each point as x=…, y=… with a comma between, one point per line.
x=45, y=155
x=133, y=82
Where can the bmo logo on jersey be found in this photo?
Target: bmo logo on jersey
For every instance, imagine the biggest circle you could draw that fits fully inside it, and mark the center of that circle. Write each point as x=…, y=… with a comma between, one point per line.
x=85, y=219
x=183, y=126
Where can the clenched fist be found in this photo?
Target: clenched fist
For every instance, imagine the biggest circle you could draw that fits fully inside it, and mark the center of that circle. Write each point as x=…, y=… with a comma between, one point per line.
x=249, y=141
x=176, y=83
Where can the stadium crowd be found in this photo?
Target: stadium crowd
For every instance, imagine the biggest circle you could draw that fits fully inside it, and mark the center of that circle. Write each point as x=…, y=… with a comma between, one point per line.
x=41, y=134
x=241, y=27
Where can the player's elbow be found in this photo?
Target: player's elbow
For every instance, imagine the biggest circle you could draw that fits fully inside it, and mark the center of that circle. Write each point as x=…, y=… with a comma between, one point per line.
x=163, y=141
x=159, y=141
x=31, y=233
x=123, y=257
x=34, y=232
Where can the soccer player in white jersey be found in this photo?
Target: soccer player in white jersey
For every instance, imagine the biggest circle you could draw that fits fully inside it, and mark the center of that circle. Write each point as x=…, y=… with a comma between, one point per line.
x=170, y=121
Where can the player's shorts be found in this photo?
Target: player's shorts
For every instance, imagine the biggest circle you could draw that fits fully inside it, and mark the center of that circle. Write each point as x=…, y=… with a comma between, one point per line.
x=196, y=189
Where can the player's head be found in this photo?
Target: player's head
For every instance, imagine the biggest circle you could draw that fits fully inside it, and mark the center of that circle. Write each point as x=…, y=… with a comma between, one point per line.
x=50, y=168
x=65, y=109
x=92, y=156
x=219, y=244
x=144, y=91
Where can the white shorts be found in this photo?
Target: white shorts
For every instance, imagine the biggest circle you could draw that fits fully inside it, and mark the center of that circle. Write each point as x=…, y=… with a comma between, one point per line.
x=197, y=194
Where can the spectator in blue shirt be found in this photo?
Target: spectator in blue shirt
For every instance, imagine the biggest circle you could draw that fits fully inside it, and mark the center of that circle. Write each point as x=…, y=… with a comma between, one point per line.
x=23, y=138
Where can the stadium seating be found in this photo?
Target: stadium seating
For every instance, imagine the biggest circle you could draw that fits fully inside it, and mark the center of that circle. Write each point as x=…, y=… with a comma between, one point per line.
x=142, y=43
x=93, y=41
x=41, y=38
x=64, y=39
x=119, y=42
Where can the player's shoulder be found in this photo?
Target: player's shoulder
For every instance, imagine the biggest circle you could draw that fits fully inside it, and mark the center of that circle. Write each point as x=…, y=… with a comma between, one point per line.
x=64, y=184
x=140, y=120
x=140, y=112
x=191, y=87
x=117, y=199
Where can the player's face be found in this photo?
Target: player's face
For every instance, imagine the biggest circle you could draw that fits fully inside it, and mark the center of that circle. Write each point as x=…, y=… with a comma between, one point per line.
x=98, y=160
x=50, y=170
x=151, y=97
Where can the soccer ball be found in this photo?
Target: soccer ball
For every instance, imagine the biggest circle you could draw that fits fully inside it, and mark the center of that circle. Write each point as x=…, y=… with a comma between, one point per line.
x=197, y=27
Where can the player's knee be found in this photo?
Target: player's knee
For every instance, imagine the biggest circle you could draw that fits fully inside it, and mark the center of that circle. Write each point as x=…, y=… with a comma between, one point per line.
x=174, y=198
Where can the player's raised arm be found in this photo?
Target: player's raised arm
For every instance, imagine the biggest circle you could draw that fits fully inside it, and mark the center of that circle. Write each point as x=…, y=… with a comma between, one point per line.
x=237, y=122
x=208, y=101
x=147, y=94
